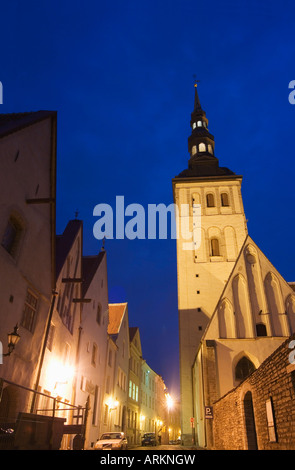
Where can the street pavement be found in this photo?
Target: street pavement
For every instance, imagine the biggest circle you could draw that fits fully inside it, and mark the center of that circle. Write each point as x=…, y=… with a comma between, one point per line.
x=164, y=447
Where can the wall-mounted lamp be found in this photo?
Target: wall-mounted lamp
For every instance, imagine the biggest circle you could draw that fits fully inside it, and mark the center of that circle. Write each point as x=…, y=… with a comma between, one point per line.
x=13, y=339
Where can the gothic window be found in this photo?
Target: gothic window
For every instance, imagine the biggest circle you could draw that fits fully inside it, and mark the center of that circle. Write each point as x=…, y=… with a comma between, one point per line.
x=12, y=235
x=194, y=149
x=224, y=200
x=210, y=200
x=244, y=368
x=202, y=147
x=261, y=329
x=214, y=247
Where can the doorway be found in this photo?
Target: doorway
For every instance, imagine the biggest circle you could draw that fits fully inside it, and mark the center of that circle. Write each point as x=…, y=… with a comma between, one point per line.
x=250, y=422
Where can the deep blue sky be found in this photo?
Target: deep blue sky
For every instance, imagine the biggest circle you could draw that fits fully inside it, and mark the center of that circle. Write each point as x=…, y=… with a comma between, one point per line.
x=120, y=75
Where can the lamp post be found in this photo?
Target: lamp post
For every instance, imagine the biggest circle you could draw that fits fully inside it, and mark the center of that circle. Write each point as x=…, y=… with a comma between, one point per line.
x=13, y=339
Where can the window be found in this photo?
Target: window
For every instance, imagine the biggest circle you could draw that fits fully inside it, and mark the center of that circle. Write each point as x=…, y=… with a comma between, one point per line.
x=215, y=247
x=224, y=200
x=130, y=388
x=98, y=315
x=94, y=354
x=202, y=147
x=272, y=435
x=261, y=329
x=210, y=200
x=110, y=359
x=244, y=368
x=12, y=236
x=210, y=149
x=194, y=125
x=194, y=149
x=29, y=312
x=199, y=123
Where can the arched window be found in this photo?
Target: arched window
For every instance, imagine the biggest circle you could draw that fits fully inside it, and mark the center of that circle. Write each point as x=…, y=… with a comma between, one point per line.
x=194, y=125
x=261, y=329
x=244, y=368
x=12, y=235
x=194, y=149
x=224, y=200
x=199, y=123
x=215, y=247
x=98, y=314
x=210, y=200
x=202, y=147
x=210, y=149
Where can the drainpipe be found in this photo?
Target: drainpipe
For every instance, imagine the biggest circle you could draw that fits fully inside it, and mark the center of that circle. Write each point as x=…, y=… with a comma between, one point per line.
x=54, y=294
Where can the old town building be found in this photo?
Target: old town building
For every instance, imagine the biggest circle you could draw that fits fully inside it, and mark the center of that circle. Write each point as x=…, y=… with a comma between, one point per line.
x=235, y=309
x=76, y=355
x=27, y=248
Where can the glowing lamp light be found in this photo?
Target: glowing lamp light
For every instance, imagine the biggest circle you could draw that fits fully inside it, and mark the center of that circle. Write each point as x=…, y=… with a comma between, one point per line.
x=58, y=374
x=169, y=401
x=112, y=404
x=13, y=338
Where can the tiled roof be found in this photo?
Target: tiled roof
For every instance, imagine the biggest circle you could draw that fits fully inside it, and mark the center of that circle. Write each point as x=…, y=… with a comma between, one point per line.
x=116, y=313
x=13, y=122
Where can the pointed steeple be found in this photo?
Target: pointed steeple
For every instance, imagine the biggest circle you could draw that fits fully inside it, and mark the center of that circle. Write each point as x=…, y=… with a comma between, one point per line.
x=198, y=106
x=201, y=145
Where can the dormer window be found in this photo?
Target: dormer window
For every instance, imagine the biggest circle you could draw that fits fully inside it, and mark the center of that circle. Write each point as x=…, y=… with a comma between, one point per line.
x=194, y=149
x=202, y=147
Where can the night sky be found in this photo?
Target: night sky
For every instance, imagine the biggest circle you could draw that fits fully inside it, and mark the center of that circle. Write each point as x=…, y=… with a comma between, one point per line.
x=120, y=75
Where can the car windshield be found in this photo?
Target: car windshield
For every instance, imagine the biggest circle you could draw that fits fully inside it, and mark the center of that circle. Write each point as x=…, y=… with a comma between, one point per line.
x=111, y=435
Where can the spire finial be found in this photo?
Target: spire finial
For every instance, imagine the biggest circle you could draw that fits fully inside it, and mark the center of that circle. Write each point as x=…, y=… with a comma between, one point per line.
x=195, y=80
x=197, y=101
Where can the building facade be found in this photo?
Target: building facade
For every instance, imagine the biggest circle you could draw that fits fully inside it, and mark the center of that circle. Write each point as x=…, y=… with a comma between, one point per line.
x=235, y=309
x=27, y=248
x=210, y=207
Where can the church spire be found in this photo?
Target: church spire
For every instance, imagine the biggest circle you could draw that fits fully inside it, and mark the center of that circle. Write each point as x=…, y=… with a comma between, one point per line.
x=201, y=145
x=197, y=100
x=201, y=142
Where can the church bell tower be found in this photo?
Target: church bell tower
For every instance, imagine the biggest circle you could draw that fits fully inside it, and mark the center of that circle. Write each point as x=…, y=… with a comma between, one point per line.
x=203, y=270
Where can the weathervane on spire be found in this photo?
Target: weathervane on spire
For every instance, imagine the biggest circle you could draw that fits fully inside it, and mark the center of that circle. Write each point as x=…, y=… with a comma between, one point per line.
x=195, y=80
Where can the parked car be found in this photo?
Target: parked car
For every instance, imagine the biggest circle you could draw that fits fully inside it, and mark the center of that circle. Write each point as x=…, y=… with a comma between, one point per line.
x=112, y=441
x=149, y=439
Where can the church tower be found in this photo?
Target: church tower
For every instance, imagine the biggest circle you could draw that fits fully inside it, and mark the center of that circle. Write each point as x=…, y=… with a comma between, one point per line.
x=218, y=233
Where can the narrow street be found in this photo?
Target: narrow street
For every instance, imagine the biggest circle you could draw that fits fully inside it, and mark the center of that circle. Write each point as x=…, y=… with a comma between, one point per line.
x=165, y=447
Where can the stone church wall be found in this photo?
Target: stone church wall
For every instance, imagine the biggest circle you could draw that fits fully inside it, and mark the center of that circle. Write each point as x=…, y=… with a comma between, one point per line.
x=269, y=392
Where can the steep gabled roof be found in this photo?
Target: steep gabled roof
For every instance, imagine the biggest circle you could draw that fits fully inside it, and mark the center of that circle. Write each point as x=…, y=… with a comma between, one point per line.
x=116, y=314
x=132, y=332
x=13, y=122
x=65, y=242
x=90, y=265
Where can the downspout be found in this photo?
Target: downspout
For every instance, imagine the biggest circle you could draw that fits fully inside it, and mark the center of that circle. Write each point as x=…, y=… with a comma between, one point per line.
x=54, y=294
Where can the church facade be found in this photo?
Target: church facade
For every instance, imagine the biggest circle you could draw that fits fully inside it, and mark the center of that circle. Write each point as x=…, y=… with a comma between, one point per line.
x=234, y=307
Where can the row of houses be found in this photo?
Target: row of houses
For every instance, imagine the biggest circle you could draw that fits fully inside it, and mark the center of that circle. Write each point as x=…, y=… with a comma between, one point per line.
x=77, y=357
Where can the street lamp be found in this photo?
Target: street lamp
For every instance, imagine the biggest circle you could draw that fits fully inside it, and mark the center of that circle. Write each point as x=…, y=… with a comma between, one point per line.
x=13, y=339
